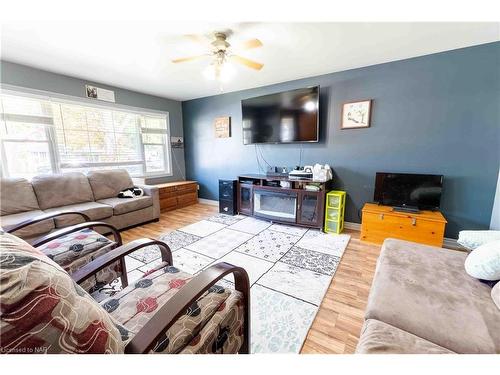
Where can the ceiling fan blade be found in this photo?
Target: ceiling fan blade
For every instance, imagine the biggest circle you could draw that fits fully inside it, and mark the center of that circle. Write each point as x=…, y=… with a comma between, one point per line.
x=249, y=44
x=191, y=58
x=247, y=62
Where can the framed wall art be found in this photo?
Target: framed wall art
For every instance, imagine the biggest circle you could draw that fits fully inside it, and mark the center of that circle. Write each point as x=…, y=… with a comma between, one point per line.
x=356, y=114
x=222, y=127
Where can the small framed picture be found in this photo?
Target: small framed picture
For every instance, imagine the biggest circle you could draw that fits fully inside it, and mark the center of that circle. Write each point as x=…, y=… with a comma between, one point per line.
x=177, y=142
x=222, y=127
x=91, y=91
x=356, y=114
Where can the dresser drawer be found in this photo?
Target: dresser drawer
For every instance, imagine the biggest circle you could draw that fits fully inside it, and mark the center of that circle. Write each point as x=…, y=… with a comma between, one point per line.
x=168, y=203
x=167, y=192
x=188, y=188
x=187, y=199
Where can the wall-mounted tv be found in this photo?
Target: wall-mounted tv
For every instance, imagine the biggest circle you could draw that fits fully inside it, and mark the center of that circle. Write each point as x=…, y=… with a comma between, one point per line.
x=420, y=191
x=285, y=117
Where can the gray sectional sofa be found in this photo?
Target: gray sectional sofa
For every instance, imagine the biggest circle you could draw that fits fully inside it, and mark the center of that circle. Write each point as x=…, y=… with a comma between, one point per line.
x=94, y=194
x=423, y=301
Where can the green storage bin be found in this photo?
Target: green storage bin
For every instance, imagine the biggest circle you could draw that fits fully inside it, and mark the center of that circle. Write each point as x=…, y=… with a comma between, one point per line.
x=333, y=201
x=334, y=211
x=331, y=226
x=332, y=214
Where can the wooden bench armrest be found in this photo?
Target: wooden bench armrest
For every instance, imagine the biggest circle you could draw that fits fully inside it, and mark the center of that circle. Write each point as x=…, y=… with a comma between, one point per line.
x=75, y=228
x=14, y=227
x=105, y=260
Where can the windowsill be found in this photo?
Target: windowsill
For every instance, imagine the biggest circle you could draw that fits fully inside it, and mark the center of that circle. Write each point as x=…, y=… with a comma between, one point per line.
x=145, y=177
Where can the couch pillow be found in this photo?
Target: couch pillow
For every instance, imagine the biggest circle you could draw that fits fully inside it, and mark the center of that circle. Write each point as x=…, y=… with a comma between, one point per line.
x=109, y=183
x=471, y=239
x=57, y=190
x=484, y=261
x=17, y=195
x=495, y=294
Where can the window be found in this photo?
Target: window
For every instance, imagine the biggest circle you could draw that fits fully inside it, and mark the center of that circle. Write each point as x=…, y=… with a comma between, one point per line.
x=51, y=135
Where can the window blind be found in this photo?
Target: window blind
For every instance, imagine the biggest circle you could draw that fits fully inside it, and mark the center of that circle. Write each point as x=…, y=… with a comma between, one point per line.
x=44, y=136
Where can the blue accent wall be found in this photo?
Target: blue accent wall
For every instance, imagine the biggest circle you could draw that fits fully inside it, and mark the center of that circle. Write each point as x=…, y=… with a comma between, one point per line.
x=435, y=114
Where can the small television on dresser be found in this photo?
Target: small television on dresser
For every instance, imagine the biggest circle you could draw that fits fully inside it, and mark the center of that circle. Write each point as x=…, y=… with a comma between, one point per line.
x=408, y=191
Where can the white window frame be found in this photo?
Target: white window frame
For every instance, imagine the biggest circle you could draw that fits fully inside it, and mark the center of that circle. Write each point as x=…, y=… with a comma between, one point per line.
x=71, y=100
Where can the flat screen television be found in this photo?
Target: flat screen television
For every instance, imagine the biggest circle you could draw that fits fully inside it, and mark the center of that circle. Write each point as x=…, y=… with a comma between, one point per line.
x=285, y=117
x=419, y=191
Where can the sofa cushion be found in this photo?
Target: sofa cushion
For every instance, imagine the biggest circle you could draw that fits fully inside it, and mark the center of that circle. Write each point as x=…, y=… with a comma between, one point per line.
x=96, y=211
x=45, y=311
x=219, y=307
x=123, y=205
x=31, y=230
x=56, y=190
x=17, y=195
x=425, y=290
x=75, y=250
x=108, y=183
x=380, y=338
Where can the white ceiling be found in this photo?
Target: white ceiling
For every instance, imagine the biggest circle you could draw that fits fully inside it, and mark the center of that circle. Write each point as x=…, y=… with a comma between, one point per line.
x=137, y=56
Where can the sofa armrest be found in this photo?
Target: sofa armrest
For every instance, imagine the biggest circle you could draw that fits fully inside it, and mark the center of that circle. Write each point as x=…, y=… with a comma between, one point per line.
x=153, y=192
x=148, y=335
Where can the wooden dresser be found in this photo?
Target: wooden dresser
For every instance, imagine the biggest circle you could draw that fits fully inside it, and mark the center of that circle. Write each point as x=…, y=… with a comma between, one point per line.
x=178, y=194
x=381, y=222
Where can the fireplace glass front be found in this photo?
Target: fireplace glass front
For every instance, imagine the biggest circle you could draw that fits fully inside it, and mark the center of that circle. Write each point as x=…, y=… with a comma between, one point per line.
x=273, y=205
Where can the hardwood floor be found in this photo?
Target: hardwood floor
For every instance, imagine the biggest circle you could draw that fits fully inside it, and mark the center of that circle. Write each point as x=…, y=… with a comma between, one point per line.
x=338, y=323
x=339, y=320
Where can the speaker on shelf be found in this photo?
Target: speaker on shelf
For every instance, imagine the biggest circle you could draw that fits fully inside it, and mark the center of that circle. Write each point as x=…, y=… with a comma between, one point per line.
x=227, y=197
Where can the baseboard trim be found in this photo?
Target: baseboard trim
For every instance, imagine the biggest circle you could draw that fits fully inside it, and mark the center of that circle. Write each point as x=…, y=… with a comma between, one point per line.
x=211, y=202
x=451, y=243
x=352, y=226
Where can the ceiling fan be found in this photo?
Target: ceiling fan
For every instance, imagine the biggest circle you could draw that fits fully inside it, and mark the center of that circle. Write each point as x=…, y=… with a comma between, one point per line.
x=220, y=51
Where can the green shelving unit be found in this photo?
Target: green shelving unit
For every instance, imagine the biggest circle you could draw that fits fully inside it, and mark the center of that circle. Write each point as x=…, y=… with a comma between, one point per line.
x=334, y=211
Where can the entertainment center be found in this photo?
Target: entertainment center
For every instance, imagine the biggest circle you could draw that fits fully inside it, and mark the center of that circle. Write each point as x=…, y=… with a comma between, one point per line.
x=282, y=199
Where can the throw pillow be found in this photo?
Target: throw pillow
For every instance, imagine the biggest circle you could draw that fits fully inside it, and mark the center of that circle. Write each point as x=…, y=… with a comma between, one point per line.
x=495, y=294
x=484, y=261
x=471, y=239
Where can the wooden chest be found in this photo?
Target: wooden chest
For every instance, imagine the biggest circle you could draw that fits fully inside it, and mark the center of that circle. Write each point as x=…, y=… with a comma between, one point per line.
x=381, y=222
x=179, y=194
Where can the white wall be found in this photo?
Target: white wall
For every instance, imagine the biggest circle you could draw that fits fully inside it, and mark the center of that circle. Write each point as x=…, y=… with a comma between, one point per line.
x=495, y=214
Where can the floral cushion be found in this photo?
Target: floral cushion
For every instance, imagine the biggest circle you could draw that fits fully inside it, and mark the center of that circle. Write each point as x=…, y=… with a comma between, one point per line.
x=223, y=333
x=75, y=250
x=66, y=249
x=44, y=311
x=213, y=324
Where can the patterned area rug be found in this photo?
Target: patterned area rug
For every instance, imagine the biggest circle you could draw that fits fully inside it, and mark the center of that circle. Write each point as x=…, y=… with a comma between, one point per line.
x=290, y=269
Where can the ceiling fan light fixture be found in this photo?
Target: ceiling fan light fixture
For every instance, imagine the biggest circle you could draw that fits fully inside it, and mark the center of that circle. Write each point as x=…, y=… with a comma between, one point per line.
x=220, y=51
x=220, y=72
